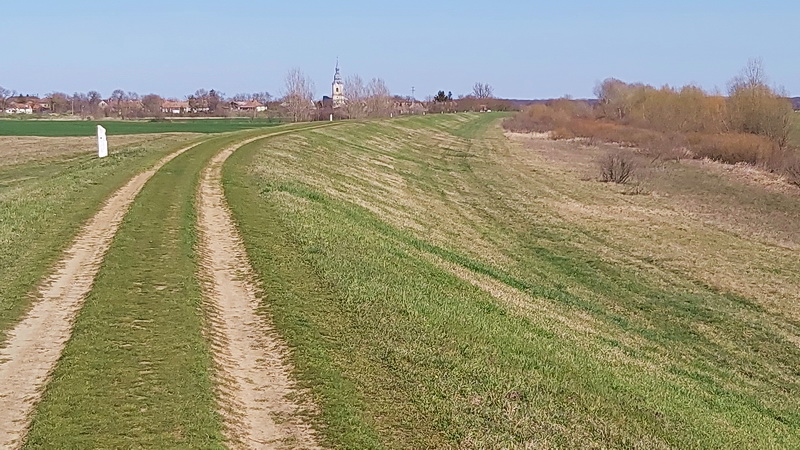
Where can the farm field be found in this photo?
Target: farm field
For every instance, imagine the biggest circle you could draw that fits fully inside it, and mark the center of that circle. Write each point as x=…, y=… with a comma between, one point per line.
x=31, y=127
x=421, y=282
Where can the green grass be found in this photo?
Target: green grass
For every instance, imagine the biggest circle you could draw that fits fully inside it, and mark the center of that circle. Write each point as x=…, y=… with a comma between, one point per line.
x=795, y=136
x=136, y=372
x=400, y=353
x=117, y=127
x=44, y=203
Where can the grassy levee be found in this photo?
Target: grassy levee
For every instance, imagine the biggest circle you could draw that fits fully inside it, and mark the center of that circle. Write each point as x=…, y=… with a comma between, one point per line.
x=377, y=245
x=115, y=127
x=136, y=371
x=44, y=203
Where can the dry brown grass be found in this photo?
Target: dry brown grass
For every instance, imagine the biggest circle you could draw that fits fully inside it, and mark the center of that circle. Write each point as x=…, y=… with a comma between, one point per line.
x=732, y=227
x=566, y=120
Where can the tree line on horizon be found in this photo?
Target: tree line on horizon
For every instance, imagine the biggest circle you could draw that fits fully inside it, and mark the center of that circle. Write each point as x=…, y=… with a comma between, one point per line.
x=752, y=124
x=365, y=99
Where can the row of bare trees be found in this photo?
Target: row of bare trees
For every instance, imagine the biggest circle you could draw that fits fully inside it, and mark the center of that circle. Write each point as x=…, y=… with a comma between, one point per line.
x=751, y=107
x=372, y=99
x=364, y=99
x=126, y=104
x=751, y=124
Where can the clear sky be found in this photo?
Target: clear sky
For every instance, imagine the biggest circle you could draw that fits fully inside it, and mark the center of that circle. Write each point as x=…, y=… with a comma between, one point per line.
x=525, y=49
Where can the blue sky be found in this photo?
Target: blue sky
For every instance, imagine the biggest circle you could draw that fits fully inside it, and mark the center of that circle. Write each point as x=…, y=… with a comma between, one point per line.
x=525, y=49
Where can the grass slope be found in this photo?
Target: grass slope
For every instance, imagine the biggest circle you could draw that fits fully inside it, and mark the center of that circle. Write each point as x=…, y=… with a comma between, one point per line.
x=116, y=127
x=44, y=203
x=364, y=237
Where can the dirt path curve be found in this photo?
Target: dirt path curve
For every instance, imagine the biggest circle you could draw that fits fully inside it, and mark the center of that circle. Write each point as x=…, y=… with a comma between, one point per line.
x=253, y=375
x=36, y=342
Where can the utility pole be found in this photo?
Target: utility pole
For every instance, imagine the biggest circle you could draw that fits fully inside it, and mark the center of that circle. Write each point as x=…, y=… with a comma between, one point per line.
x=413, y=89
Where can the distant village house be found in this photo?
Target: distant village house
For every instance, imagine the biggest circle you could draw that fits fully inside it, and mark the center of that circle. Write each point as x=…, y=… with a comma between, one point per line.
x=250, y=105
x=175, y=107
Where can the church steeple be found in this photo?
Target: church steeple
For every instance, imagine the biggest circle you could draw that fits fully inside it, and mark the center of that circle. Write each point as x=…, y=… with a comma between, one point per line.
x=337, y=88
x=337, y=76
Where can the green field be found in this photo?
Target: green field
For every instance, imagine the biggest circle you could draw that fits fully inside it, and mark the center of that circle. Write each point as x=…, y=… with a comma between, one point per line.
x=439, y=285
x=117, y=127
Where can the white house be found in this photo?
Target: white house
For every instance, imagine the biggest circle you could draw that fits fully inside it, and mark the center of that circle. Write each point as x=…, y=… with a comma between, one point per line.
x=249, y=106
x=19, y=108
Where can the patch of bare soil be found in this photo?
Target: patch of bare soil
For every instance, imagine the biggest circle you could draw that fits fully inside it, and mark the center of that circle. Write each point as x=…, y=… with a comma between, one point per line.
x=255, y=386
x=36, y=342
x=21, y=149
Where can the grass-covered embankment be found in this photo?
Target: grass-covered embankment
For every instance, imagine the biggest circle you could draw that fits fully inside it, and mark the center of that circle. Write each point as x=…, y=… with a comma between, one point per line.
x=581, y=343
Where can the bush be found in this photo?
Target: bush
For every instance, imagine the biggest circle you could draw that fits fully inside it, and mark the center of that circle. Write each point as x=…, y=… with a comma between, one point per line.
x=617, y=167
x=791, y=167
x=734, y=148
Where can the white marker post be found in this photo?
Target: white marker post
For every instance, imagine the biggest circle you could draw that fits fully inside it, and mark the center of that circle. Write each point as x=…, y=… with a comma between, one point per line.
x=102, y=143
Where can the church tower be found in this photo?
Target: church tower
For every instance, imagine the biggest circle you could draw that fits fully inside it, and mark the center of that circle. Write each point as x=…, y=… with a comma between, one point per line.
x=338, y=88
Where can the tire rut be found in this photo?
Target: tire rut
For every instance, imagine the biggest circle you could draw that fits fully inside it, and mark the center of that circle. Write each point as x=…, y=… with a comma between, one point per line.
x=253, y=376
x=34, y=345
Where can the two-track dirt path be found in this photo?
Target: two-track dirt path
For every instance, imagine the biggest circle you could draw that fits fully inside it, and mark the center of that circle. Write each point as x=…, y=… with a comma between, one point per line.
x=253, y=377
x=37, y=341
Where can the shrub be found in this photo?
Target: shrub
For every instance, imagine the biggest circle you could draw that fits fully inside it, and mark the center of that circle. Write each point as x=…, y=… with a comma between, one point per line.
x=561, y=133
x=617, y=167
x=734, y=148
x=791, y=167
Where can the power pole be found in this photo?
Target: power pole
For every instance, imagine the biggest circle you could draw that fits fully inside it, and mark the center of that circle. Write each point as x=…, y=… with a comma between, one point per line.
x=413, y=89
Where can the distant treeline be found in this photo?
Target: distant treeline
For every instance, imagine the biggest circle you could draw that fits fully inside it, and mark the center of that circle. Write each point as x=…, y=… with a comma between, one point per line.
x=752, y=124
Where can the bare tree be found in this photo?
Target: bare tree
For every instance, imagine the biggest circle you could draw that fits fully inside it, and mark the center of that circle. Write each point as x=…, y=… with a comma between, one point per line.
x=215, y=101
x=59, y=102
x=482, y=90
x=93, y=102
x=299, y=95
x=262, y=97
x=754, y=107
x=118, y=96
x=356, y=97
x=4, y=95
x=378, y=100
x=752, y=75
x=151, y=104
x=617, y=167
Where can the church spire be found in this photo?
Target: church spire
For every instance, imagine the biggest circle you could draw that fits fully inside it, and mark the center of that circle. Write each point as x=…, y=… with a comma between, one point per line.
x=337, y=93
x=337, y=77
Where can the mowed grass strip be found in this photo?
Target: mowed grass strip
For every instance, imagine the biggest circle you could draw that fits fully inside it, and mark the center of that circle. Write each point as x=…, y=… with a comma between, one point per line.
x=32, y=127
x=400, y=353
x=44, y=204
x=137, y=371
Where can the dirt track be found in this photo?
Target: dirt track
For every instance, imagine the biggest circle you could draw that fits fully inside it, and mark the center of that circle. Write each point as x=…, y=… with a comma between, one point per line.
x=36, y=342
x=252, y=377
